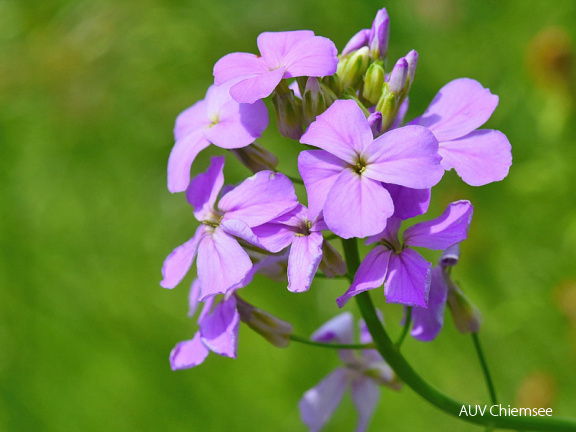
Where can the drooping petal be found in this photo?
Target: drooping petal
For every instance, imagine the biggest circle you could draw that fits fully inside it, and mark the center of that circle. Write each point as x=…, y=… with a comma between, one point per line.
x=177, y=264
x=192, y=120
x=238, y=65
x=460, y=107
x=319, y=170
x=440, y=233
x=222, y=263
x=239, y=125
x=181, y=157
x=408, y=279
x=204, y=188
x=219, y=329
x=188, y=354
x=408, y=202
x=357, y=206
x=370, y=274
x=365, y=395
x=305, y=256
x=251, y=89
x=427, y=322
x=341, y=130
x=481, y=157
x=318, y=403
x=259, y=198
x=339, y=329
x=406, y=156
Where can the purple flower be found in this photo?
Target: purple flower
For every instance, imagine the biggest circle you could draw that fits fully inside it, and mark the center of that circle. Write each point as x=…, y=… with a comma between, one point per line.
x=299, y=229
x=283, y=55
x=405, y=273
x=217, y=119
x=222, y=263
x=459, y=108
x=345, y=178
x=376, y=38
x=362, y=372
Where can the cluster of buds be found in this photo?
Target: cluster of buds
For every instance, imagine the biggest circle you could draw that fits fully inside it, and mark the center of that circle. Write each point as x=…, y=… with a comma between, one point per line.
x=369, y=174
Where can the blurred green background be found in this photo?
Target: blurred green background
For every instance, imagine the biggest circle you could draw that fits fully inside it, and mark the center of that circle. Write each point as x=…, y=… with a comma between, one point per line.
x=88, y=96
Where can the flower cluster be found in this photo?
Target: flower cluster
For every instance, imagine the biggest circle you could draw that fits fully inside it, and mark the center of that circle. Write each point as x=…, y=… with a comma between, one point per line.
x=371, y=171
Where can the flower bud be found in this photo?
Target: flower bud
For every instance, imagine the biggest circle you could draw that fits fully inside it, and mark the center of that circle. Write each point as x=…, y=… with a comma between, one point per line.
x=412, y=59
x=394, y=92
x=274, y=330
x=351, y=69
x=289, y=118
x=375, y=123
x=379, y=35
x=357, y=41
x=313, y=102
x=450, y=256
x=467, y=317
x=397, y=79
x=332, y=263
x=256, y=158
x=374, y=83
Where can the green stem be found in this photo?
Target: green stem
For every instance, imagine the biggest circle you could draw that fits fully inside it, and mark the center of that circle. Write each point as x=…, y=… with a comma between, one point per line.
x=406, y=327
x=303, y=340
x=413, y=380
x=485, y=370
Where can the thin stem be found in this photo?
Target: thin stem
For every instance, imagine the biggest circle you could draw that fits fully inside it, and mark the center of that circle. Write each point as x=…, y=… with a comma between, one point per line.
x=485, y=370
x=413, y=380
x=303, y=340
x=406, y=327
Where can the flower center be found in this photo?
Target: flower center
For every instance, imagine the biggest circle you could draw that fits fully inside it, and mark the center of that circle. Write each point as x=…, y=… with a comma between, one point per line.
x=304, y=228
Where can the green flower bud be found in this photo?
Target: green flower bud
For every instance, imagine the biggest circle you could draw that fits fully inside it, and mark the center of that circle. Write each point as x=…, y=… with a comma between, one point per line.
x=256, y=158
x=289, y=117
x=374, y=83
x=467, y=317
x=351, y=69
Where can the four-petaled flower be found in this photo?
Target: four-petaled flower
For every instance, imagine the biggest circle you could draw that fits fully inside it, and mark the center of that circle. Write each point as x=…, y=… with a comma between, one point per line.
x=222, y=262
x=363, y=372
x=345, y=177
x=284, y=55
x=405, y=273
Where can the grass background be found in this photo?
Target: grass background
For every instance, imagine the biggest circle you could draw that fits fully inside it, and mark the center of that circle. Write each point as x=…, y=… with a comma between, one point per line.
x=88, y=96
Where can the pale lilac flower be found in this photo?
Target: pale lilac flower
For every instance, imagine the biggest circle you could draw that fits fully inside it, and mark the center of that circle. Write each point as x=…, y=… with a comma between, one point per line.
x=403, y=271
x=344, y=179
x=363, y=373
x=478, y=156
x=283, y=55
x=217, y=119
x=302, y=231
x=222, y=262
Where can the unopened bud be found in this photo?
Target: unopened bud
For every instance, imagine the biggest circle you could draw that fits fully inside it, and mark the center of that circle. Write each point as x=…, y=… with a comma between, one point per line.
x=412, y=59
x=375, y=123
x=380, y=35
x=374, y=83
x=274, y=330
x=313, y=102
x=467, y=317
x=256, y=158
x=397, y=80
x=393, y=94
x=356, y=42
x=289, y=118
x=332, y=263
x=351, y=69
x=450, y=256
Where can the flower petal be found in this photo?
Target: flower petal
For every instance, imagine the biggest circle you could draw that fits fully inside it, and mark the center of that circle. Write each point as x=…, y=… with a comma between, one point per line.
x=259, y=199
x=460, y=107
x=408, y=202
x=370, y=274
x=219, y=329
x=341, y=130
x=305, y=256
x=177, y=264
x=275, y=46
x=222, y=263
x=365, y=395
x=319, y=170
x=481, y=157
x=357, y=206
x=339, y=329
x=406, y=156
x=192, y=120
x=204, y=188
x=314, y=57
x=318, y=403
x=427, y=322
x=193, y=301
x=239, y=125
x=444, y=231
x=408, y=279
x=181, y=158
x=188, y=353
x=237, y=65
x=251, y=89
